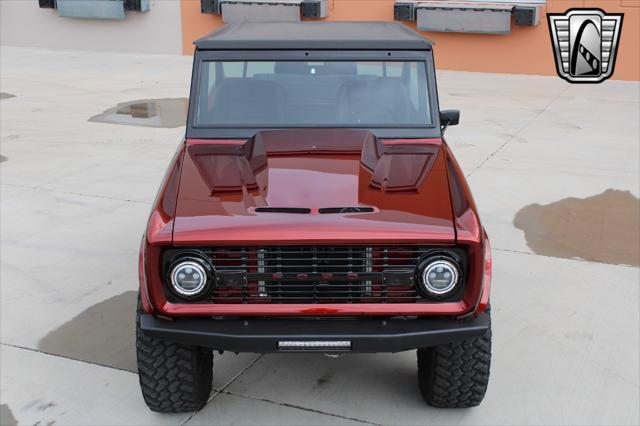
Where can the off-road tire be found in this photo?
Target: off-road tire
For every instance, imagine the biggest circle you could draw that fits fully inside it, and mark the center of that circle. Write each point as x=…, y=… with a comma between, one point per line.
x=174, y=378
x=455, y=375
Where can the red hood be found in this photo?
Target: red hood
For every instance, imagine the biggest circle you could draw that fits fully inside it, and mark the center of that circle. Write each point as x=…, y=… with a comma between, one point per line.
x=403, y=183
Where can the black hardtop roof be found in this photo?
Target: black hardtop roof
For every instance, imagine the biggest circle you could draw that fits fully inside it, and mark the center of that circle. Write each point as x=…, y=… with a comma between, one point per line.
x=314, y=36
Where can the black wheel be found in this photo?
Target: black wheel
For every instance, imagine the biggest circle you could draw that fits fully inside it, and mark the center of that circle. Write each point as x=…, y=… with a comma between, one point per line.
x=455, y=375
x=174, y=378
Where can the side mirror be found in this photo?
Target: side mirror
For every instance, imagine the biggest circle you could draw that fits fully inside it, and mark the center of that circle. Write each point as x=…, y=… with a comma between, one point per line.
x=449, y=117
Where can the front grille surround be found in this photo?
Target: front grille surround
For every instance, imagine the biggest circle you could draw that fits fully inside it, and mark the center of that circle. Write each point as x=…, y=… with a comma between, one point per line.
x=318, y=274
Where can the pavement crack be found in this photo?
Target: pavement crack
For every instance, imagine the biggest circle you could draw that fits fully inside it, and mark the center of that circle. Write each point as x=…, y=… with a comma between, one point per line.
x=515, y=135
x=312, y=410
x=64, y=357
x=218, y=392
x=233, y=379
x=81, y=194
x=223, y=390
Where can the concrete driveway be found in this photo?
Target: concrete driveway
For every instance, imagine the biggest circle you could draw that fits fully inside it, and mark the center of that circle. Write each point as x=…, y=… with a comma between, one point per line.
x=555, y=169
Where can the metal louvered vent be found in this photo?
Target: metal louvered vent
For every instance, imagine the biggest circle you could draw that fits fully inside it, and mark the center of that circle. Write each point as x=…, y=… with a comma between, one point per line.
x=328, y=210
x=323, y=210
x=295, y=210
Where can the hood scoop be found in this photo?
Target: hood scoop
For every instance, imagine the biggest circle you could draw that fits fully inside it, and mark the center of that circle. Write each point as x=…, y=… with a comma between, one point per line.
x=228, y=166
x=398, y=165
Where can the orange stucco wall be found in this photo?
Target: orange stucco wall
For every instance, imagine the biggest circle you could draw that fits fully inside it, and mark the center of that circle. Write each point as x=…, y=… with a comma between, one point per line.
x=527, y=50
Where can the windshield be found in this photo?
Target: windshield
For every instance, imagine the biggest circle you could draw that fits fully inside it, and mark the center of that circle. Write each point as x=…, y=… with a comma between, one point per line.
x=313, y=94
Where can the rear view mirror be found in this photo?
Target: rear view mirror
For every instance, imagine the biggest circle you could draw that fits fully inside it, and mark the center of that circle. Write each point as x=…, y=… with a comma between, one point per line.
x=449, y=117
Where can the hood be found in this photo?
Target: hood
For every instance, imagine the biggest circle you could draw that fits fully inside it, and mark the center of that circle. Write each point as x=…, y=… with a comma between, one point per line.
x=313, y=186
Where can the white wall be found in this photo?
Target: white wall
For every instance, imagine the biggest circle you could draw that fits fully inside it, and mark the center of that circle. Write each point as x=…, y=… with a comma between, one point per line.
x=23, y=23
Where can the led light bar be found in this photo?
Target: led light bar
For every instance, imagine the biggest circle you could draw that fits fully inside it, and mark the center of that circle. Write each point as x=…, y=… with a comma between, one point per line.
x=314, y=345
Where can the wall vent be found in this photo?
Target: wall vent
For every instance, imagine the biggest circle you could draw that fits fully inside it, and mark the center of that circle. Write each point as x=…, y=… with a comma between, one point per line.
x=265, y=10
x=470, y=16
x=95, y=9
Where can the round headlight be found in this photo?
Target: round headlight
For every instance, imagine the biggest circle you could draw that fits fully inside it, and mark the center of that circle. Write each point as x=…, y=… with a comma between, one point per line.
x=188, y=278
x=440, y=277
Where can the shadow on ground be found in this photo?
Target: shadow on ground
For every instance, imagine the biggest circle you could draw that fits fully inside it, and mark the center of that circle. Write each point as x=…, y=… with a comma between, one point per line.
x=6, y=416
x=103, y=334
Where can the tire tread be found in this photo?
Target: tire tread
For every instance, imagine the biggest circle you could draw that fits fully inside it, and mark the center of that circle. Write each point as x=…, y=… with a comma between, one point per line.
x=174, y=378
x=455, y=375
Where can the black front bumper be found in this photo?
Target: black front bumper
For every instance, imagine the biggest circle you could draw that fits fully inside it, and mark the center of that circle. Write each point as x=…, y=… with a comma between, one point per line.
x=269, y=335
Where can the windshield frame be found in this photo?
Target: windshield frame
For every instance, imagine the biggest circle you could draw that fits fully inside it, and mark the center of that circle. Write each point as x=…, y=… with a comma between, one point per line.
x=394, y=131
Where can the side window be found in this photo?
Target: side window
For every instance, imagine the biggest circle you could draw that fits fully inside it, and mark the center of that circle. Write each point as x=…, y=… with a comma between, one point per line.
x=206, y=89
x=413, y=85
x=211, y=73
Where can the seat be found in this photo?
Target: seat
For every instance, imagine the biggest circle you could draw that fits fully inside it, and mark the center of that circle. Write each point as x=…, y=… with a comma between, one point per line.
x=377, y=101
x=248, y=101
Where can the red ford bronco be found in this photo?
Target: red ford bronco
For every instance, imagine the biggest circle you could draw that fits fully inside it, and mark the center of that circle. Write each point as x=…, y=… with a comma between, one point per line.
x=314, y=207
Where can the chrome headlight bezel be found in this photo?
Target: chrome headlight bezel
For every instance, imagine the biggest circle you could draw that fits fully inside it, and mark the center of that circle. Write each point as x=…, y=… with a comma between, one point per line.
x=426, y=267
x=201, y=265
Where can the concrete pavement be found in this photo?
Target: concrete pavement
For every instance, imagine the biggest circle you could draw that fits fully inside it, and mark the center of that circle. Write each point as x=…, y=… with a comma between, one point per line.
x=75, y=196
